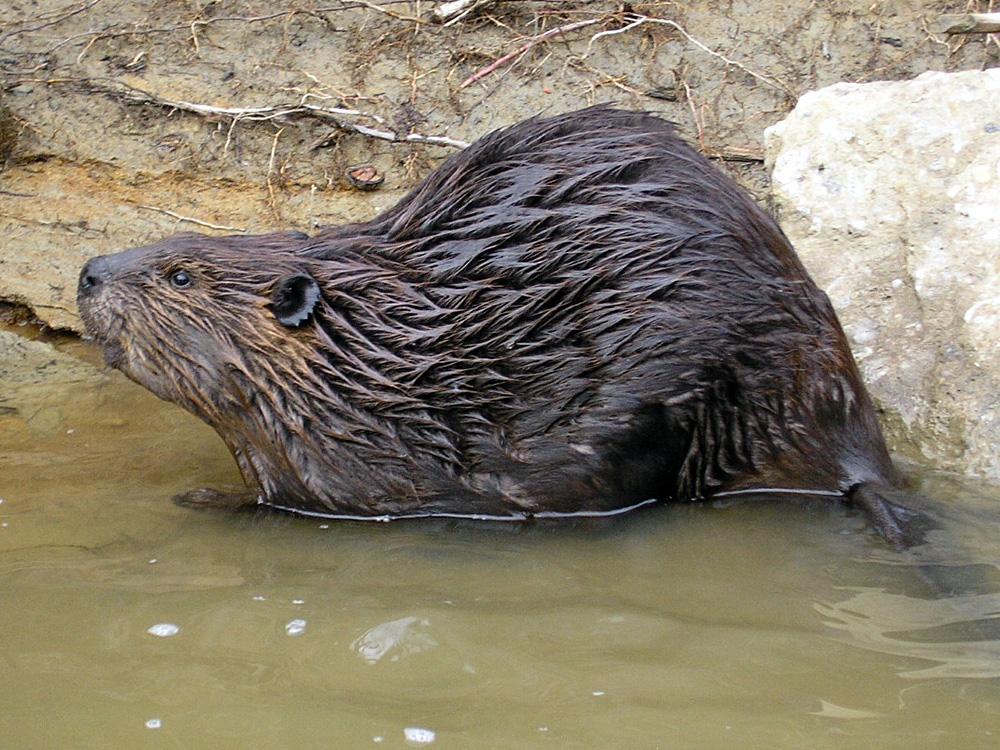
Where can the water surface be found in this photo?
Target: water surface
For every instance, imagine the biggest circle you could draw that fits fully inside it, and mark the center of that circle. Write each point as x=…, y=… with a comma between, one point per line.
x=753, y=626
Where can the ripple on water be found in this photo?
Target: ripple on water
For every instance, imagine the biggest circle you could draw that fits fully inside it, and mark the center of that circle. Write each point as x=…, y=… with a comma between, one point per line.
x=949, y=632
x=395, y=639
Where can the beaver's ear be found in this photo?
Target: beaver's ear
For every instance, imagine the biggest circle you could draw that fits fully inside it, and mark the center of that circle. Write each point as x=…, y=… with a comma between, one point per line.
x=294, y=298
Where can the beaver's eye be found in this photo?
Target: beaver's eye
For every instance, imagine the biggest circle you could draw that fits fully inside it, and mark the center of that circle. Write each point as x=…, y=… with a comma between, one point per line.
x=180, y=280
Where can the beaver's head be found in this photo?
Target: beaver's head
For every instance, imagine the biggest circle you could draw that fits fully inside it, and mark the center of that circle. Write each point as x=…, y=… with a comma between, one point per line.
x=306, y=367
x=186, y=316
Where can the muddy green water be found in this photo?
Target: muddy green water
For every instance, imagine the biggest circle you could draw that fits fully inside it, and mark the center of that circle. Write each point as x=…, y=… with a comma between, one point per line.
x=755, y=626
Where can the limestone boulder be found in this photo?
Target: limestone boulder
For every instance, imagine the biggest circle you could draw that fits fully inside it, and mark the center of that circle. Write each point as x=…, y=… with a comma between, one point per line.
x=890, y=192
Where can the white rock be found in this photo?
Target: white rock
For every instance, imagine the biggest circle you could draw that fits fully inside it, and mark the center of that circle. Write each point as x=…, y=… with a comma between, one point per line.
x=890, y=192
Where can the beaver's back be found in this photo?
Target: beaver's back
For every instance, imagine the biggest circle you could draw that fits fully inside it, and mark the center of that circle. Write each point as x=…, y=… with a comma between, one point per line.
x=621, y=320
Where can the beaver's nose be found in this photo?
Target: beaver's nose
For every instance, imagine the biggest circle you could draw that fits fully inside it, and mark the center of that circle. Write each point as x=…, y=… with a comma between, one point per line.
x=95, y=272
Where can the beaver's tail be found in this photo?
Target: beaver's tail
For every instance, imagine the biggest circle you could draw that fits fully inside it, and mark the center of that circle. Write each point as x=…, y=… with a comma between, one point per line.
x=898, y=516
x=893, y=513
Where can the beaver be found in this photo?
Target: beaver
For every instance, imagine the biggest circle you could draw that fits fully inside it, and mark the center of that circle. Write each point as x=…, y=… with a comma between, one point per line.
x=574, y=315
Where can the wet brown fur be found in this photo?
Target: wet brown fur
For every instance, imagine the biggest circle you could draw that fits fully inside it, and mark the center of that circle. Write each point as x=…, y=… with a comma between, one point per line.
x=573, y=314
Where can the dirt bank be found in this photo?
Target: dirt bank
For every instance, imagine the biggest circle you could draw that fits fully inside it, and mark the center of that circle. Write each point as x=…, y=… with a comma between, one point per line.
x=128, y=121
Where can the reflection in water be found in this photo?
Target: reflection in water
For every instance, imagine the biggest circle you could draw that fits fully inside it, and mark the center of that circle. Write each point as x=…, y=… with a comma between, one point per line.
x=833, y=711
x=397, y=638
x=907, y=626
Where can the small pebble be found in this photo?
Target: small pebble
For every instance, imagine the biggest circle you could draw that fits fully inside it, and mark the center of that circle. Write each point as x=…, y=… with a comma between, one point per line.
x=365, y=177
x=164, y=630
x=295, y=627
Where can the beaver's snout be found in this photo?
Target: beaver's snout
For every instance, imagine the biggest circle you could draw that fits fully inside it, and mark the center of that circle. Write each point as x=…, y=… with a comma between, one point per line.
x=103, y=269
x=95, y=273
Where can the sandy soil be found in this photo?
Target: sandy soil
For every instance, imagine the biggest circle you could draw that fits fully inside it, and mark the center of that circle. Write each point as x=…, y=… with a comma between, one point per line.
x=125, y=121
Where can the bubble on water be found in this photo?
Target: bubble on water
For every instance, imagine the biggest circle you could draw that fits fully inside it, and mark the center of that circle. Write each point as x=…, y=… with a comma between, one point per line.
x=419, y=736
x=296, y=627
x=153, y=724
x=164, y=629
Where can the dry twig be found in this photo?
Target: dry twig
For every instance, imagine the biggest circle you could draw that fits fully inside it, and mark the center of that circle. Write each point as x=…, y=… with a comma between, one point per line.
x=638, y=20
x=55, y=16
x=270, y=167
x=333, y=115
x=199, y=222
x=392, y=14
x=452, y=12
x=695, y=116
x=524, y=48
x=135, y=29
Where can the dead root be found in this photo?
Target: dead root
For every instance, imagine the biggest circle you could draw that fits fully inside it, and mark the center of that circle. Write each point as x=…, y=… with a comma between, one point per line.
x=342, y=118
x=191, y=220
